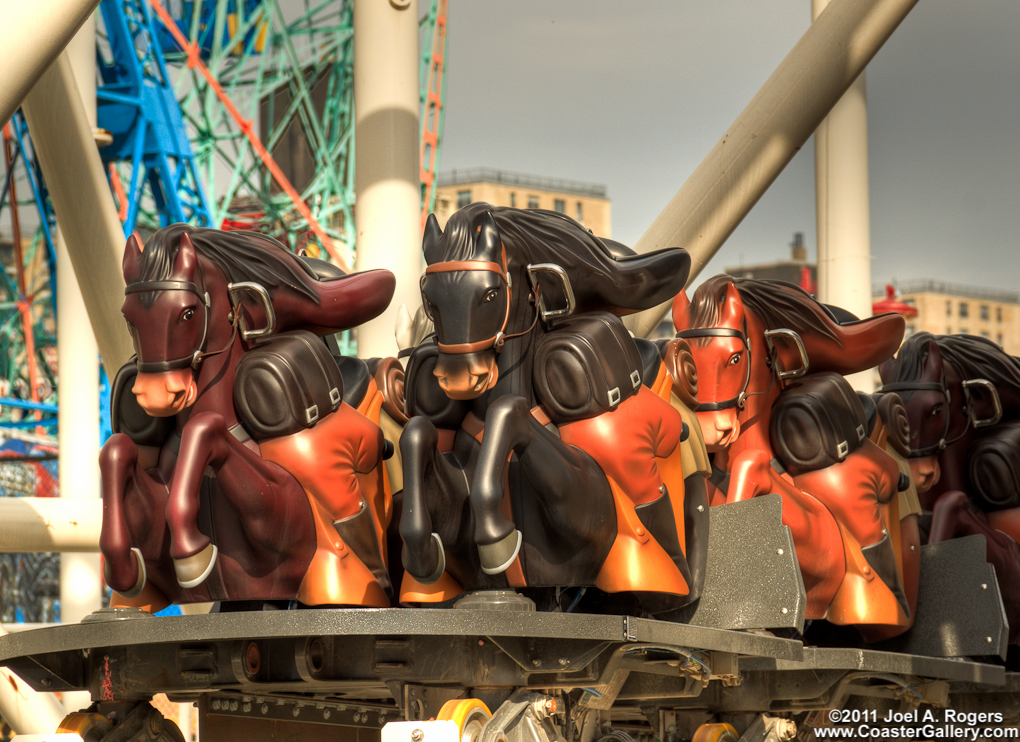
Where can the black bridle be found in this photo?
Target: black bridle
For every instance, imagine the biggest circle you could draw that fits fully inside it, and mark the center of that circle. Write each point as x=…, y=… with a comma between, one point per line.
x=725, y=332
x=198, y=355
x=943, y=388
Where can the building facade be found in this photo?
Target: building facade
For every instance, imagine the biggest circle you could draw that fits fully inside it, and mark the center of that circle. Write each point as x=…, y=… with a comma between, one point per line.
x=587, y=203
x=954, y=309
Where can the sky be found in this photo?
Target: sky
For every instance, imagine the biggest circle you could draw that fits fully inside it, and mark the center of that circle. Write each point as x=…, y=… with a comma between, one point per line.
x=634, y=94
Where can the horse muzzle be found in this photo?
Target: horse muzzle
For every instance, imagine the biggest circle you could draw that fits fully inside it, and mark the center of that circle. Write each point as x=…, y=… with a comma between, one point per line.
x=721, y=428
x=467, y=375
x=167, y=393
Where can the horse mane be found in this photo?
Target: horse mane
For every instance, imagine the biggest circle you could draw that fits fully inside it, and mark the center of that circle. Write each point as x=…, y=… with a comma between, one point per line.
x=607, y=275
x=240, y=256
x=777, y=304
x=973, y=357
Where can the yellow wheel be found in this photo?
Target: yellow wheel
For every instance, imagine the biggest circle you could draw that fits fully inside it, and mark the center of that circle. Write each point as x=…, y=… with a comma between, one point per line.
x=91, y=727
x=715, y=733
x=469, y=714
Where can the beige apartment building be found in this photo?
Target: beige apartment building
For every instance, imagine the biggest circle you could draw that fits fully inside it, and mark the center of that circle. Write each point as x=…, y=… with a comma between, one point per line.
x=585, y=202
x=951, y=309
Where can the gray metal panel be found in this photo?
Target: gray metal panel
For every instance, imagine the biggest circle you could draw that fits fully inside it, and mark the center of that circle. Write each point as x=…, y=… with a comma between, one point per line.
x=869, y=660
x=959, y=607
x=385, y=622
x=752, y=573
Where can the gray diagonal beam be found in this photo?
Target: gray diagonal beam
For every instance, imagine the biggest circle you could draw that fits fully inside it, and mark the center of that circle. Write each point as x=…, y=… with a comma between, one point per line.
x=768, y=133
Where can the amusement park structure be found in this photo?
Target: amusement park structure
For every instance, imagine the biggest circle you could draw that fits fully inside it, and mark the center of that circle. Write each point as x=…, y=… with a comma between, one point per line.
x=532, y=525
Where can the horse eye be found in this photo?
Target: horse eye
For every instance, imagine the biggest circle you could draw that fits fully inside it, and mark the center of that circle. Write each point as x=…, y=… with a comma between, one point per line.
x=187, y=314
x=491, y=294
x=734, y=360
x=936, y=410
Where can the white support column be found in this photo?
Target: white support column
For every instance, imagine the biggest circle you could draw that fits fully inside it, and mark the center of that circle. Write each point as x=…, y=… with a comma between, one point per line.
x=841, y=192
x=387, y=179
x=81, y=583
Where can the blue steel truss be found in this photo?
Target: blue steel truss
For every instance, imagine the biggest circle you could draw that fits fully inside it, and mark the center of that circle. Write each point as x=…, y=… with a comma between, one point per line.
x=136, y=104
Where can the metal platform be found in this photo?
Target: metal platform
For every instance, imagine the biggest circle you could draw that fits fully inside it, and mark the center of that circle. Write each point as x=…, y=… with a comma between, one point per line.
x=365, y=667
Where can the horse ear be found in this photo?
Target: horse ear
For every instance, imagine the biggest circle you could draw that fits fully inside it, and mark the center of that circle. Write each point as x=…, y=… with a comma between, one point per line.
x=731, y=313
x=887, y=370
x=431, y=239
x=490, y=246
x=187, y=257
x=682, y=311
x=933, y=363
x=131, y=265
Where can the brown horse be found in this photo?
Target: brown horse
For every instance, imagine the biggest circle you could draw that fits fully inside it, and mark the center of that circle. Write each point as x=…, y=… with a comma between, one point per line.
x=262, y=526
x=953, y=387
x=748, y=337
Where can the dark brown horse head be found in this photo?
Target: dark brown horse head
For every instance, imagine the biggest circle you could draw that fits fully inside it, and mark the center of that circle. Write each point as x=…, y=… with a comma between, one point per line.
x=190, y=287
x=169, y=323
x=950, y=384
x=918, y=376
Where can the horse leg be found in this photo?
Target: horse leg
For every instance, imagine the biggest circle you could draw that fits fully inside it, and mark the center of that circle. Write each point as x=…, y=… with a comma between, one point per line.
x=424, y=466
x=122, y=570
x=507, y=429
x=274, y=510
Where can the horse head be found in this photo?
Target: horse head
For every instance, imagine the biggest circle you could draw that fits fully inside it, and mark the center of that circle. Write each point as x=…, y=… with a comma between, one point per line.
x=469, y=301
x=920, y=378
x=722, y=354
x=170, y=317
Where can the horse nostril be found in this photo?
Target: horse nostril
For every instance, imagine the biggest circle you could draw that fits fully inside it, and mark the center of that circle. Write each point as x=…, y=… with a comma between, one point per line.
x=178, y=397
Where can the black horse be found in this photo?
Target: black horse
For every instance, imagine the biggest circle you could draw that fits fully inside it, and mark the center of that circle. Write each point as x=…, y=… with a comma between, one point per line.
x=493, y=493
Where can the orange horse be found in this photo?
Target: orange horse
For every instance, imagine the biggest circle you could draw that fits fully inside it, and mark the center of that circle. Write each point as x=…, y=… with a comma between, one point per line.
x=749, y=340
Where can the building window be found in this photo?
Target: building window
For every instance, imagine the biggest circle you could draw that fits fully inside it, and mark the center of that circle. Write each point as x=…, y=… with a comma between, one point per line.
x=998, y=314
x=532, y=202
x=963, y=331
x=985, y=335
x=963, y=310
x=560, y=205
x=949, y=330
x=949, y=309
x=579, y=216
x=984, y=312
x=998, y=338
x=463, y=199
x=910, y=331
x=513, y=200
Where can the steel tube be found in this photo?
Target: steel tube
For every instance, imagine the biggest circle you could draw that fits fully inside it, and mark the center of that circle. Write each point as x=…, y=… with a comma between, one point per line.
x=31, y=37
x=386, y=136
x=83, y=204
x=42, y=524
x=769, y=132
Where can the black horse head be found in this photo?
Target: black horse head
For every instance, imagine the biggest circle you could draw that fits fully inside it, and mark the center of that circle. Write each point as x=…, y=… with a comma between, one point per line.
x=495, y=270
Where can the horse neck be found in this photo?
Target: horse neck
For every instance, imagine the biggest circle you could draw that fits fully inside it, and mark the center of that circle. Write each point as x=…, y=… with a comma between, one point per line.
x=215, y=376
x=953, y=458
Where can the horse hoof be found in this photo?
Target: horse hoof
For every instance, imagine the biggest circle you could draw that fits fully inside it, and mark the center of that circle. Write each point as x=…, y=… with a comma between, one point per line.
x=497, y=558
x=192, y=571
x=136, y=589
x=440, y=565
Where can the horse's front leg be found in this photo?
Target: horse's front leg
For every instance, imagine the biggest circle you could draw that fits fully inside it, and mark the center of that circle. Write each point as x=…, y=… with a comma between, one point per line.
x=428, y=479
x=507, y=429
x=123, y=570
x=274, y=510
